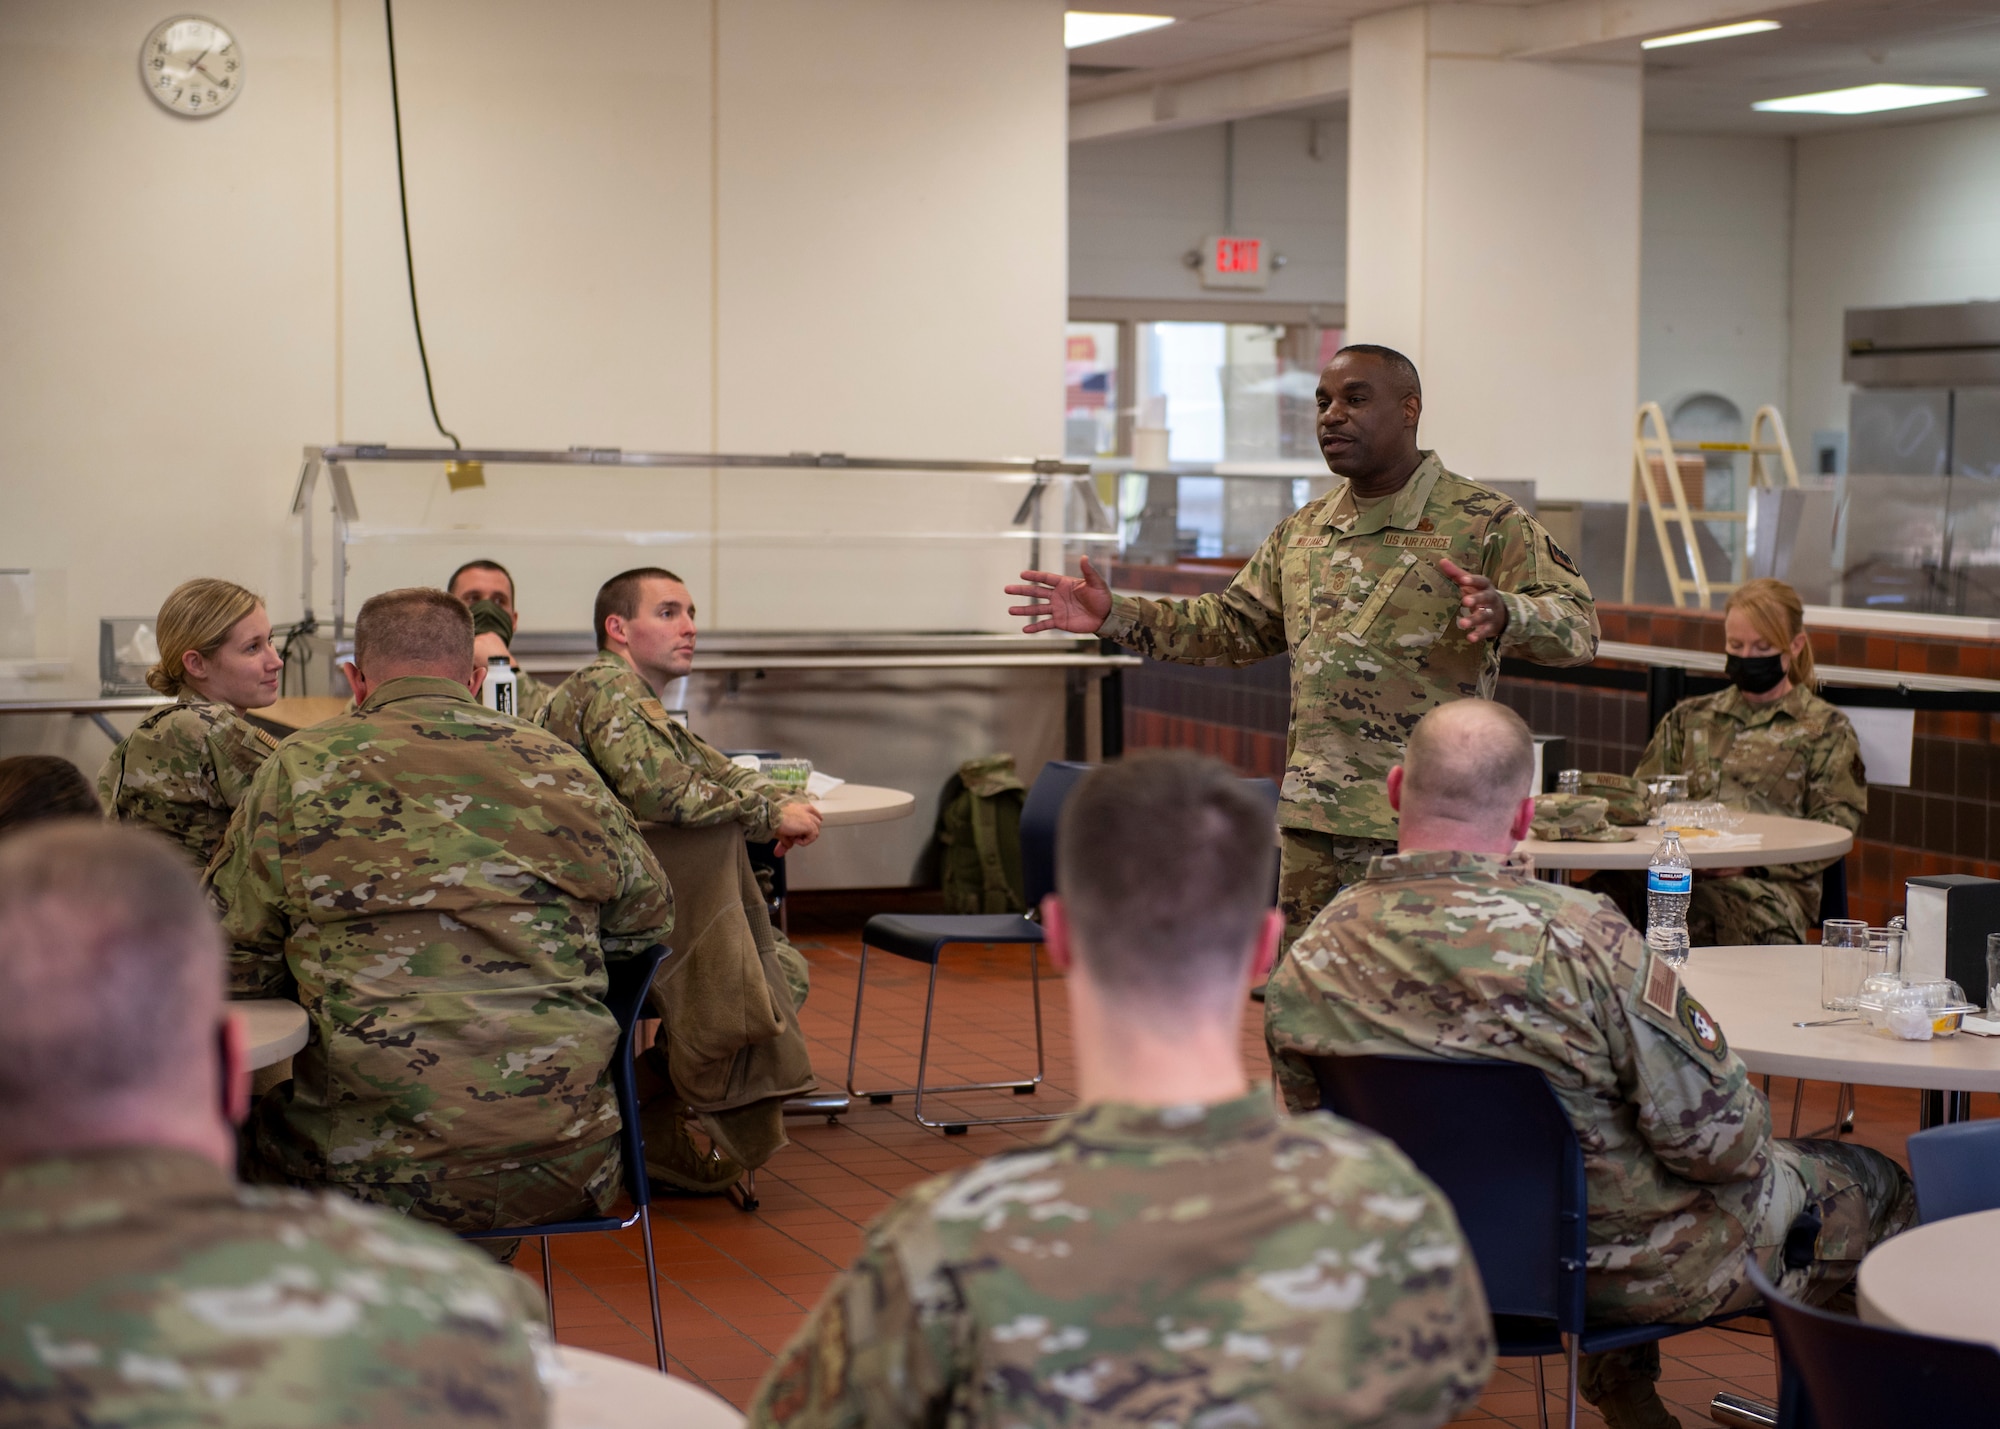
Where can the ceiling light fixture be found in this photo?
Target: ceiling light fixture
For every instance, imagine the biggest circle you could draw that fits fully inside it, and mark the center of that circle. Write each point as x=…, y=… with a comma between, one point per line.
x=1090, y=27
x=1714, y=32
x=1870, y=99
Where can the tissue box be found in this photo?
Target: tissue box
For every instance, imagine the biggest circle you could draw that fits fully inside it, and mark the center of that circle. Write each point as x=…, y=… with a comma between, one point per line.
x=1949, y=916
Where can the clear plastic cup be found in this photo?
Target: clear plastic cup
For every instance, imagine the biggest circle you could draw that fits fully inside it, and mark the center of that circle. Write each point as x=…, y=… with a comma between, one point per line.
x=1993, y=973
x=1843, y=962
x=788, y=774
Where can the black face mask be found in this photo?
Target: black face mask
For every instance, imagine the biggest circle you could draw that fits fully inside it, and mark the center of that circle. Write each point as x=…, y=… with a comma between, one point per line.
x=1754, y=674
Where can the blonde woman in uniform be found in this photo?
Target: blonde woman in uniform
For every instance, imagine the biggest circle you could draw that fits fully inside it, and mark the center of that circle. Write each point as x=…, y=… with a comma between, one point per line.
x=1767, y=745
x=185, y=768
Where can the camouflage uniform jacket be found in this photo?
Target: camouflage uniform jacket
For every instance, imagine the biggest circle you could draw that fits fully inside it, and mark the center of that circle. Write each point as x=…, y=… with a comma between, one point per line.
x=1371, y=623
x=531, y=696
x=140, y=1286
x=1468, y=955
x=1796, y=756
x=662, y=771
x=1191, y=1266
x=183, y=771
x=439, y=885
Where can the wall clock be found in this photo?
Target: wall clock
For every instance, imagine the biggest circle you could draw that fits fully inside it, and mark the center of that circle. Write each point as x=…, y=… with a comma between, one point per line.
x=192, y=65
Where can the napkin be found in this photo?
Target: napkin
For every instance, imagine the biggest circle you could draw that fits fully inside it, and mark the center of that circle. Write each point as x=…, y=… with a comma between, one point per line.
x=818, y=784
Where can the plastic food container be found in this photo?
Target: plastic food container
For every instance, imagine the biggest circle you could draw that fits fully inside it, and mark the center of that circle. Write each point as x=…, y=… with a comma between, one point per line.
x=1913, y=1011
x=789, y=774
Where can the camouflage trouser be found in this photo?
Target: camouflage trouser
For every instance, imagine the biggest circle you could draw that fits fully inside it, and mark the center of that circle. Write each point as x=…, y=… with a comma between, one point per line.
x=1724, y=912
x=1746, y=911
x=569, y=1185
x=1859, y=1198
x=1312, y=867
x=792, y=962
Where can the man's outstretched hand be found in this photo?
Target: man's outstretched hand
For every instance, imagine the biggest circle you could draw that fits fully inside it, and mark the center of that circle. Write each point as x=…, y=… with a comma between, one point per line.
x=1482, y=613
x=1062, y=602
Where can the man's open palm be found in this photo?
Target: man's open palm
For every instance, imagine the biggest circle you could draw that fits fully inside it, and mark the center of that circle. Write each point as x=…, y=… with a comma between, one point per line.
x=1062, y=602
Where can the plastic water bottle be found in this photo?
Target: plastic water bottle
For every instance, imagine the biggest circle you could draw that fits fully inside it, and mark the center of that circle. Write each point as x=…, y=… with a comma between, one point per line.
x=501, y=682
x=1669, y=885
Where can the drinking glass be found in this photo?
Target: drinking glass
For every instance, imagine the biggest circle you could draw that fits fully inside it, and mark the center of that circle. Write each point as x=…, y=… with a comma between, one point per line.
x=1569, y=781
x=1843, y=962
x=1885, y=952
x=1667, y=789
x=1993, y=972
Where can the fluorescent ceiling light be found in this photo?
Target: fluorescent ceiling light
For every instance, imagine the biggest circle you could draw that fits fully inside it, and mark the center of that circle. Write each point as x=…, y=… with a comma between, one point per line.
x=1870, y=99
x=1089, y=27
x=1715, y=32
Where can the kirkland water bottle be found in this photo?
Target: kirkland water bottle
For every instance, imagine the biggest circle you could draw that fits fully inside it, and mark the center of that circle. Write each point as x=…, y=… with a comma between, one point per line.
x=501, y=683
x=1669, y=883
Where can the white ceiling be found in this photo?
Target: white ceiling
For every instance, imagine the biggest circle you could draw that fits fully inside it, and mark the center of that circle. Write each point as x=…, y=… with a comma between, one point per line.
x=1706, y=88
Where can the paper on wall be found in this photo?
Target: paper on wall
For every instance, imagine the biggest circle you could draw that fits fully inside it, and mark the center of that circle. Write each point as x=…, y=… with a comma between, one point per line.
x=1886, y=737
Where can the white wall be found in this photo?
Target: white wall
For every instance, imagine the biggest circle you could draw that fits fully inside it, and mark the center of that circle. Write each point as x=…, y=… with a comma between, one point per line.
x=1715, y=270
x=747, y=224
x=1906, y=213
x=1137, y=205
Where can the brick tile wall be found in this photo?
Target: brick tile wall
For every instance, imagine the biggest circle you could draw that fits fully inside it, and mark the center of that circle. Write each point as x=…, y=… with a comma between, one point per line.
x=1947, y=821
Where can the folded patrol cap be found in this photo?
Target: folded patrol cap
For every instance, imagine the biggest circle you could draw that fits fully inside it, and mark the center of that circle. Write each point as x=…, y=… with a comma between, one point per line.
x=1574, y=818
x=491, y=618
x=1626, y=799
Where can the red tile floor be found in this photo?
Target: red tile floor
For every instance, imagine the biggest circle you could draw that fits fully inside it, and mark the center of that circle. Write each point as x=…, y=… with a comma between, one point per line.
x=735, y=1286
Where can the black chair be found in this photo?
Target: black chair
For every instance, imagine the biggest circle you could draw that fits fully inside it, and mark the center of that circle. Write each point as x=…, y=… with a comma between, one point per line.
x=1833, y=890
x=1497, y=1142
x=1956, y=1168
x=1838, y=1373
x=625, y=998
x=923, y=939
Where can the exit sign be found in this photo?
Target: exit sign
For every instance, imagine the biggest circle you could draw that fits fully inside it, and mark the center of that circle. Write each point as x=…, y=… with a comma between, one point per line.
x=1230, y=261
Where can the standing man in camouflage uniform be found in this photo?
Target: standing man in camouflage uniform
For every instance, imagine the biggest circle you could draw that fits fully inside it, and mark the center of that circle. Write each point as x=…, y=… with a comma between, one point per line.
x=1361, y=587
x=481, y=581
x=139, y=1284
x=1176, y=1253
x=611, y=711
x=1450, y=948
x=440, y=886
x=1768, y=745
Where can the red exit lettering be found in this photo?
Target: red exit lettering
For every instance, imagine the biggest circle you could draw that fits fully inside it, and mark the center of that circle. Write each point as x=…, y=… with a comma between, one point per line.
x=1238, y=255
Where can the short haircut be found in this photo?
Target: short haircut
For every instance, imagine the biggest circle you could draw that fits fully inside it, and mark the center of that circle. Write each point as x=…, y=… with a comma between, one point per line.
x=483, y=565
x=1405, y=370
x=619, y=596
x=43, y=786
x=110, y=971
x=1471, y=760
x=1165, y=865
x=418, y=625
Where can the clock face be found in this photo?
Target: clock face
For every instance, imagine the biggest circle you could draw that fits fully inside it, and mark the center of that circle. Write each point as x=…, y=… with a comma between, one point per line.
x=191, y=65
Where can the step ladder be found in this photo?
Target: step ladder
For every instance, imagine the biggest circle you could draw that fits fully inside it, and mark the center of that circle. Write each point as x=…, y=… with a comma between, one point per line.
x=1659, y=482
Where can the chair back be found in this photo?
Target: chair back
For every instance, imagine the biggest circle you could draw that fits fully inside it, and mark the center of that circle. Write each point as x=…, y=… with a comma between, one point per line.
x=631, y=979
x=1956, y=1168
x=1039, y=815
x=1498, y=1144
x=1841, y=1373
x=1833, y=890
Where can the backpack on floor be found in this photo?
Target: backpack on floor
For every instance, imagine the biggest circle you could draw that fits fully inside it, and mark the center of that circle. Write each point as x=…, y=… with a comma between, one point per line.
x=979, y=837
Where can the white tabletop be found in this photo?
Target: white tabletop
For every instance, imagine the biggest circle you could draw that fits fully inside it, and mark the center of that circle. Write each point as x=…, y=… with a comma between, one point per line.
x=864, y=804
x=277, y=1028
x=1785, y=841
x=598, y=1391
x=1937, y=1279
x=1756, y=994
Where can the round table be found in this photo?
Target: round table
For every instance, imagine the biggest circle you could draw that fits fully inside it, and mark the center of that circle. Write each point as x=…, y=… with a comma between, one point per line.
x=1785, y=841
x=596, y=1391
x=1937, y=1279
x=863, y=804
x=276, y=1028
x=1757, y=994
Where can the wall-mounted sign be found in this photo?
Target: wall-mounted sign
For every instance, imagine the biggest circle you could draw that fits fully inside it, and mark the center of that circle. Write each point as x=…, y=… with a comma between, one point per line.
x=1234, y=262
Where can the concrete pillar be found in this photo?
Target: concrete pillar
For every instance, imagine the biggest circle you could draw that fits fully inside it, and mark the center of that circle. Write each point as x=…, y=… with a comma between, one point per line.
x=1493, y=235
